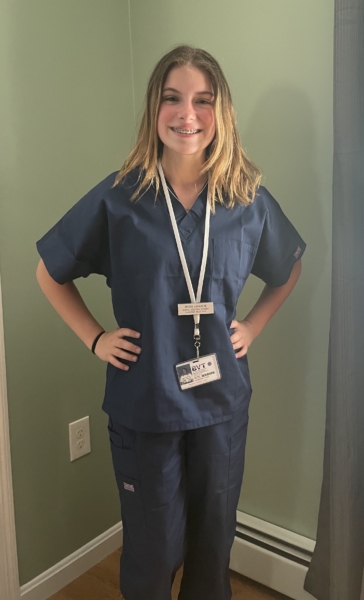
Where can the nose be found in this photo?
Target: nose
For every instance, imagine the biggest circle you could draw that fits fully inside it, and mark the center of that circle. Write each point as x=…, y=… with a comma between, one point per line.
x=187, y=111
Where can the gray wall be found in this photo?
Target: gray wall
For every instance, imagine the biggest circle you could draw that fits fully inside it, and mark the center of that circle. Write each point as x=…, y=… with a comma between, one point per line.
x=67, y=121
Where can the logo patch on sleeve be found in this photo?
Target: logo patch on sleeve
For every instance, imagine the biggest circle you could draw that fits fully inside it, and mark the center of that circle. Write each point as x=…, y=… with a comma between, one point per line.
x=128, y=486
x=298, y=252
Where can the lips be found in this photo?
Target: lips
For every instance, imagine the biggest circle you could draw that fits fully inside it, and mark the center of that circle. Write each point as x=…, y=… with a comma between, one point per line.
x=185, y=130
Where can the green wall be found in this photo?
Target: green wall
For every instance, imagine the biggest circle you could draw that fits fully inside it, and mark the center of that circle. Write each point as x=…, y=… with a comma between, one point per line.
x=277, y=57
x=66, y=122
x=66, y=116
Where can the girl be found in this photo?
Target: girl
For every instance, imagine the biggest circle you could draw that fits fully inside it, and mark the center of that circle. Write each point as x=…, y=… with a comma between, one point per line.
x=176, y=233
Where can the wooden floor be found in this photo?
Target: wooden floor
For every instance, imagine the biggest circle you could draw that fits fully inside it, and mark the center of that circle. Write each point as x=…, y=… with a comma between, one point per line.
x=102, y=583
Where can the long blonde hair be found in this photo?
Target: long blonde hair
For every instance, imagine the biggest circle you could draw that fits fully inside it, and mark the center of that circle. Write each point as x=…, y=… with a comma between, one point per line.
x=233, y=177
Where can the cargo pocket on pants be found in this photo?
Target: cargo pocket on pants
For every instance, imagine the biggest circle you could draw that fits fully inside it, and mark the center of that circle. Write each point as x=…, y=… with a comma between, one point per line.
x=127, y=479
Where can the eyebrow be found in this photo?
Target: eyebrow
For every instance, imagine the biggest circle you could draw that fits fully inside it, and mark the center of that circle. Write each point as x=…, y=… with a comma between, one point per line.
x=177, y=92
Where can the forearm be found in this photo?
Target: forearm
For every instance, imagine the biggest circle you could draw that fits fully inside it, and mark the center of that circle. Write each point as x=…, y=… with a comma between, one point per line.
x=67, y=301
x=270, y=300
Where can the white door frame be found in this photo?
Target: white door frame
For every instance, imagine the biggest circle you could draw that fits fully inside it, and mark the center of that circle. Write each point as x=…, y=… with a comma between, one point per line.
x=9, y=575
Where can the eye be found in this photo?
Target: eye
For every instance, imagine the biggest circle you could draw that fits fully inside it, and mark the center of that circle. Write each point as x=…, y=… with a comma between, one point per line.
x=170, y=99
x=204, y=101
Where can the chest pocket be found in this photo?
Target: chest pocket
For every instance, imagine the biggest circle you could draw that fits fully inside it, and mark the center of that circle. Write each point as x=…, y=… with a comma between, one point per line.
x=232, y=263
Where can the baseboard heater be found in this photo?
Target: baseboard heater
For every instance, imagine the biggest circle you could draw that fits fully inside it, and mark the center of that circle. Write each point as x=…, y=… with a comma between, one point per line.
x=275, y=539
x=271, y=555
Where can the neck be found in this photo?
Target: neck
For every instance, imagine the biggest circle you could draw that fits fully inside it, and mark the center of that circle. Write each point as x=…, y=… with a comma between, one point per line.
x=182, y=170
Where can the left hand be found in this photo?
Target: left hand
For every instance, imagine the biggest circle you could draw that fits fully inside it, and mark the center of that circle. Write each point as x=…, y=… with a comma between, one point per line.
x=242, y=337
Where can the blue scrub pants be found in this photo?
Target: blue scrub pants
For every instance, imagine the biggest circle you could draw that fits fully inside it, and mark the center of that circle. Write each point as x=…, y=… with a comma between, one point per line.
x=179, y=493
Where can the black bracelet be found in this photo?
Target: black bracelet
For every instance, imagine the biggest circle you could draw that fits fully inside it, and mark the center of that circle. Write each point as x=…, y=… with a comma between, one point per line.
x=95, y=341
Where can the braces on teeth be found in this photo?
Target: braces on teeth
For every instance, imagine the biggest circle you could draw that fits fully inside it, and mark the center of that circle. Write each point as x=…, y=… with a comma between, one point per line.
x=185, y=130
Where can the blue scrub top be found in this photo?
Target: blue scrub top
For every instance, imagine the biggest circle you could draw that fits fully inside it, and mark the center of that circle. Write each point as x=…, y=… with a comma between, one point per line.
x=132, y=244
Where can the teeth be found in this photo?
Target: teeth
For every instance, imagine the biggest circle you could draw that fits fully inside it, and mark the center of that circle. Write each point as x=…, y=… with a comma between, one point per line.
x=185, y=130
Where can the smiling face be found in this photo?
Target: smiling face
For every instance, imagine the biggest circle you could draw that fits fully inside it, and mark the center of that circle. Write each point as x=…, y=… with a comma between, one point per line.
x=186, y=118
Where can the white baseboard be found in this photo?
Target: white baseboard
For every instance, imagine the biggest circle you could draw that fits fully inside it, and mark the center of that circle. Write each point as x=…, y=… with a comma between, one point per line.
x=74, y=565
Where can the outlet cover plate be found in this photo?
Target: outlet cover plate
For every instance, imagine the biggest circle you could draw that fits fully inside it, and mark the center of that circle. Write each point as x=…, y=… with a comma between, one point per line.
x=79, y=436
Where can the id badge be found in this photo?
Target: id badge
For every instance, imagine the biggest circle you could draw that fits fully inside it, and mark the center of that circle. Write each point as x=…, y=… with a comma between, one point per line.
x=196, y=308
x=198, y=371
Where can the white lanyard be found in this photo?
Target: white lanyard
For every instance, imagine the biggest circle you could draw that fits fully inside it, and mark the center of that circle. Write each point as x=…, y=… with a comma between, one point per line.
x=181, y=253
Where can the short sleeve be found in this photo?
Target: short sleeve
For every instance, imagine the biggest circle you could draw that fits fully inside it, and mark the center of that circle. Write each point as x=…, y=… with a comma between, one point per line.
x=280, y=244
x=78, y=244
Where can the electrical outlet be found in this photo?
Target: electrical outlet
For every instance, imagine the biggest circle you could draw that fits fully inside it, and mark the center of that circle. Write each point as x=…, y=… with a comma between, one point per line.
x=79, y=433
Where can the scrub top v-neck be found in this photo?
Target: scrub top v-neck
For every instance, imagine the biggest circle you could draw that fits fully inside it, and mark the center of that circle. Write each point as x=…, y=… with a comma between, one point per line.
x=187, y=220
x=132, y=244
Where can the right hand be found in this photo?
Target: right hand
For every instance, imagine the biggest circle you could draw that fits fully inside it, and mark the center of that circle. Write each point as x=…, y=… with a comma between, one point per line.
x=112, y=346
